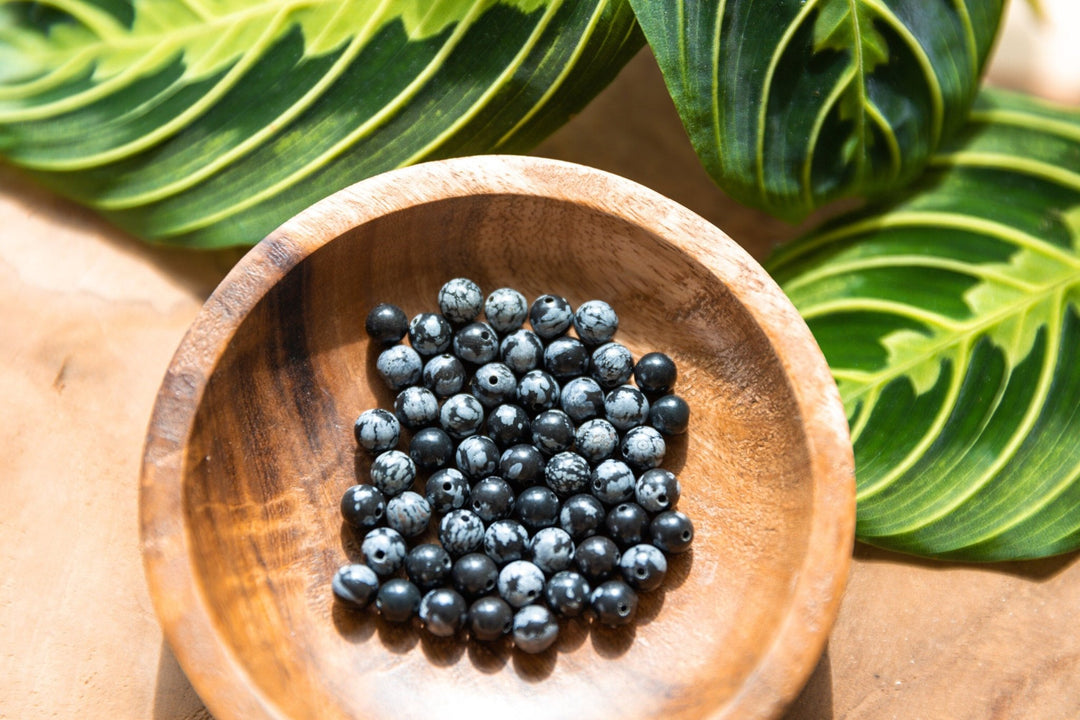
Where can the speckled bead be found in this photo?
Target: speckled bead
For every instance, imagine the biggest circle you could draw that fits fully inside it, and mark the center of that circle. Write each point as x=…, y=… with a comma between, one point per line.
x=627, y=524
x=416, y=407
x=595, y=322
x=534, y=629
x=492, y=499
x=477, y=456
x=428, y=566
x=408, y=513
x=522, y=465
x=551, y=549
x=508, y=425
x=505, y=310
x=506, y=541
x=443, y=612
x=476, y=343
x=355, y=585
x=537, y=391
x=386, y=323
x=460, y=300
x=474, y=574
x=581, y=516
x=596, y=558
x=399, y=367
x=461, y=532
x=643, y=448
x=522, y=351
x=643, y=567
x=363, y=506
x=614, y=602
x=671, y=531
x=521, y=583
x=537, y=507
x=493, y=384
x=626, y=407
x=550, y=316
x=490, y=618
x=461, y=416
x=566, y=357
x=670, y=415
x=552, y=432
x=596, y=440
x=397, y=600
x=655, y=373
x=567, y=593
x=393, y=472
x=446, y=490
x=444, y=375
x=567, y=473
x=384, y=550
x=582, y=399
x=430, y=334
x=377, y=430
x=612, y=482
x=657, y=490
x=431, y=448
x=612, y=365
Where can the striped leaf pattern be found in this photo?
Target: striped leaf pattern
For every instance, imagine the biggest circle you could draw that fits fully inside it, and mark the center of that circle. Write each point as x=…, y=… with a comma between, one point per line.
x=794, y=103
x=951, y=320
x=208, y=122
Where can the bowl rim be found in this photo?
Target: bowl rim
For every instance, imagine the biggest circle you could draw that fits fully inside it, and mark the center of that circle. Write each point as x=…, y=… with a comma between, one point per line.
x=217, y=674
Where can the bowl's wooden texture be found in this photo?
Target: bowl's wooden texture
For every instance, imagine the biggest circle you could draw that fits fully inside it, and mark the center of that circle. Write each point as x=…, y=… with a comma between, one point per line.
x=250, y=449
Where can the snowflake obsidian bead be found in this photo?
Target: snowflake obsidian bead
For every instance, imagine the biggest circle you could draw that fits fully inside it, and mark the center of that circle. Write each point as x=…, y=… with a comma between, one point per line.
x=551, y=549
x=443, y=612
x=582, y=399
x=393, y=472
x=655, y=373
x=460, y=300
x=399, y=367
x=657, y=490
x=643, y=448
x=522, y=465
x=582, y=516
x=377, y=430
x=612, y=482
x=537, y=391
x=506, y=541
x=505, y=310
x=493, y=384
x=508, y=425
x=596, y=558
x=626, y=407
x=521, y=583
x=416, y=407
x=461, y=416
x=397, y=600
x=408, y=513
x=612, y=365
x=430, y=334
x=670, y=415
x=552, y=432
x=567, y=473
x=614, y=603
x=596, y=440
x=522, y=351
x=384, y=550
x=386, y=323
x=671, y=531
x=363, y=506
x=444, y=375
x=537, y=507
x=595, y=322
x=534, y=629
x=428, y=566
x=476, y=343
x=477, y=456
x=643, y=567
x=355, y=584
x=492, y=499
x=550, y=316
x=627, y=524
x=446, y=489
x=490, y=618
x=461, y=532
x=431, y=448
x=474, y=574
x=567, y=593
x=565, y=358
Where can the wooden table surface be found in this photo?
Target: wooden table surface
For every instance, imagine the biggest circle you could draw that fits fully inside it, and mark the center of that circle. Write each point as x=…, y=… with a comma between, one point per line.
x=89, y=319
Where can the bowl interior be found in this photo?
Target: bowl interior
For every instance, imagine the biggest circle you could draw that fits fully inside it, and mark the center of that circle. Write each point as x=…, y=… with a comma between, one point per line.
x=271, y=451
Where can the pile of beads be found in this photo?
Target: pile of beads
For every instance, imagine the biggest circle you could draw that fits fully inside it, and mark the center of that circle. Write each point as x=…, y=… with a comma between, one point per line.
x=539, y=466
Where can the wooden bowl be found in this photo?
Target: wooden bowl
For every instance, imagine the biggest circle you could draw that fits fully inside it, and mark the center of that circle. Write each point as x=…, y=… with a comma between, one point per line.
x=250, y=448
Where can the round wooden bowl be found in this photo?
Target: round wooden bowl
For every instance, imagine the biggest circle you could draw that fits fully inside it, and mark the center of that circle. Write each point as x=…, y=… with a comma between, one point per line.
x=250, y=448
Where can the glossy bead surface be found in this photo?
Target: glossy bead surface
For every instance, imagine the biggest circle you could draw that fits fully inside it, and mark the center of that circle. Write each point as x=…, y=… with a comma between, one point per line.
x=443, y=612
x=567, y=593
x=612, y=365
x=476, y=457
x=612, y=482
x=492, y=499
x=643, y=567
x=446, y=490
x=596, y=440
x=657, y=490
x=430, y=334
x=493, y=384
x=596, y=558
x=474, y=574
x=551, y=549
x=461, y=416
x=582, y=516
x=522, y=351
x=670, y=415
x=399, y=367
x=384, y=550
x=444, y=375
x=595, y=322
x=431, y=448
x=643, y=448
x=626, y=407
x=537, y=391
x=428, y=566
x=355, y=585
x=476, y=343
x=505, y=310
x=582, y=399
x=397, y=600
x=550, y=316
x=552, y=432
x=671, y=531
x=490, y=618
x=627, y=524
x=508, y=425
x=408, y=513
x=460, y=300
x=377, y=430
x=655, y=373
x=566, y=357
x=386, y=323
x=522, y=465
x=461, y=532
x=506, y=541
x=363, y=506
x=534, y=629
x=416, y=407
x=567, y=473
x=614, y=602
x=393, y=472
x=520, y=583
x=537, y=507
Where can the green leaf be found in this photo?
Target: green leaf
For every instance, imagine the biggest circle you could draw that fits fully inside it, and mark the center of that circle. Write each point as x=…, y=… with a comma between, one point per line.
x=792, y=104
x=951, y=321
x=209, y=122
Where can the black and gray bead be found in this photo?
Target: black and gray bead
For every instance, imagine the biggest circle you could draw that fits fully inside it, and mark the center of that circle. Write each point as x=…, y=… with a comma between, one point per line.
x=408, y=513
x=626, y=407
x=655, y=373
x=582, y=516
x=444, y=375
x=643, y=448
x=460, y=300
x=567, y=473
x=582, y=399
x=537, y=507
x=550, y=316
x=522, y=465
x=596, y=440
x=505, y=310
x=474, y=574
x=431, y=448
x=446, y=489
x=493, y=384
x=377, y=430
x=551, y=549
x=596, y=558
x=490, y=618
x=566, y=357
x=627, y=524
x=428, y=566
x=477, y=456
x=430, y=334
x=521, y=583
x=671, y=531
x=522, y=351
x=612, y=482
x=386, y=323
x=461, y=532
x=506, y=541
x=595, y=322
x=643, y=567
x=614, y=603
x=534, y=629
x=567, y=593
x=508, y=425
x=476, y=343
x=416, y=407
x=393, y=472
x=670, y=415
x=537, y=391
x=397, y=600
x=657, y=490
x=461, y=415
x=363, y=506
x=612, y=365
x=355, y=585
x=399, y=367
x=384, y=550
x=443, y=612
x=552, y=432
x=492, y=499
